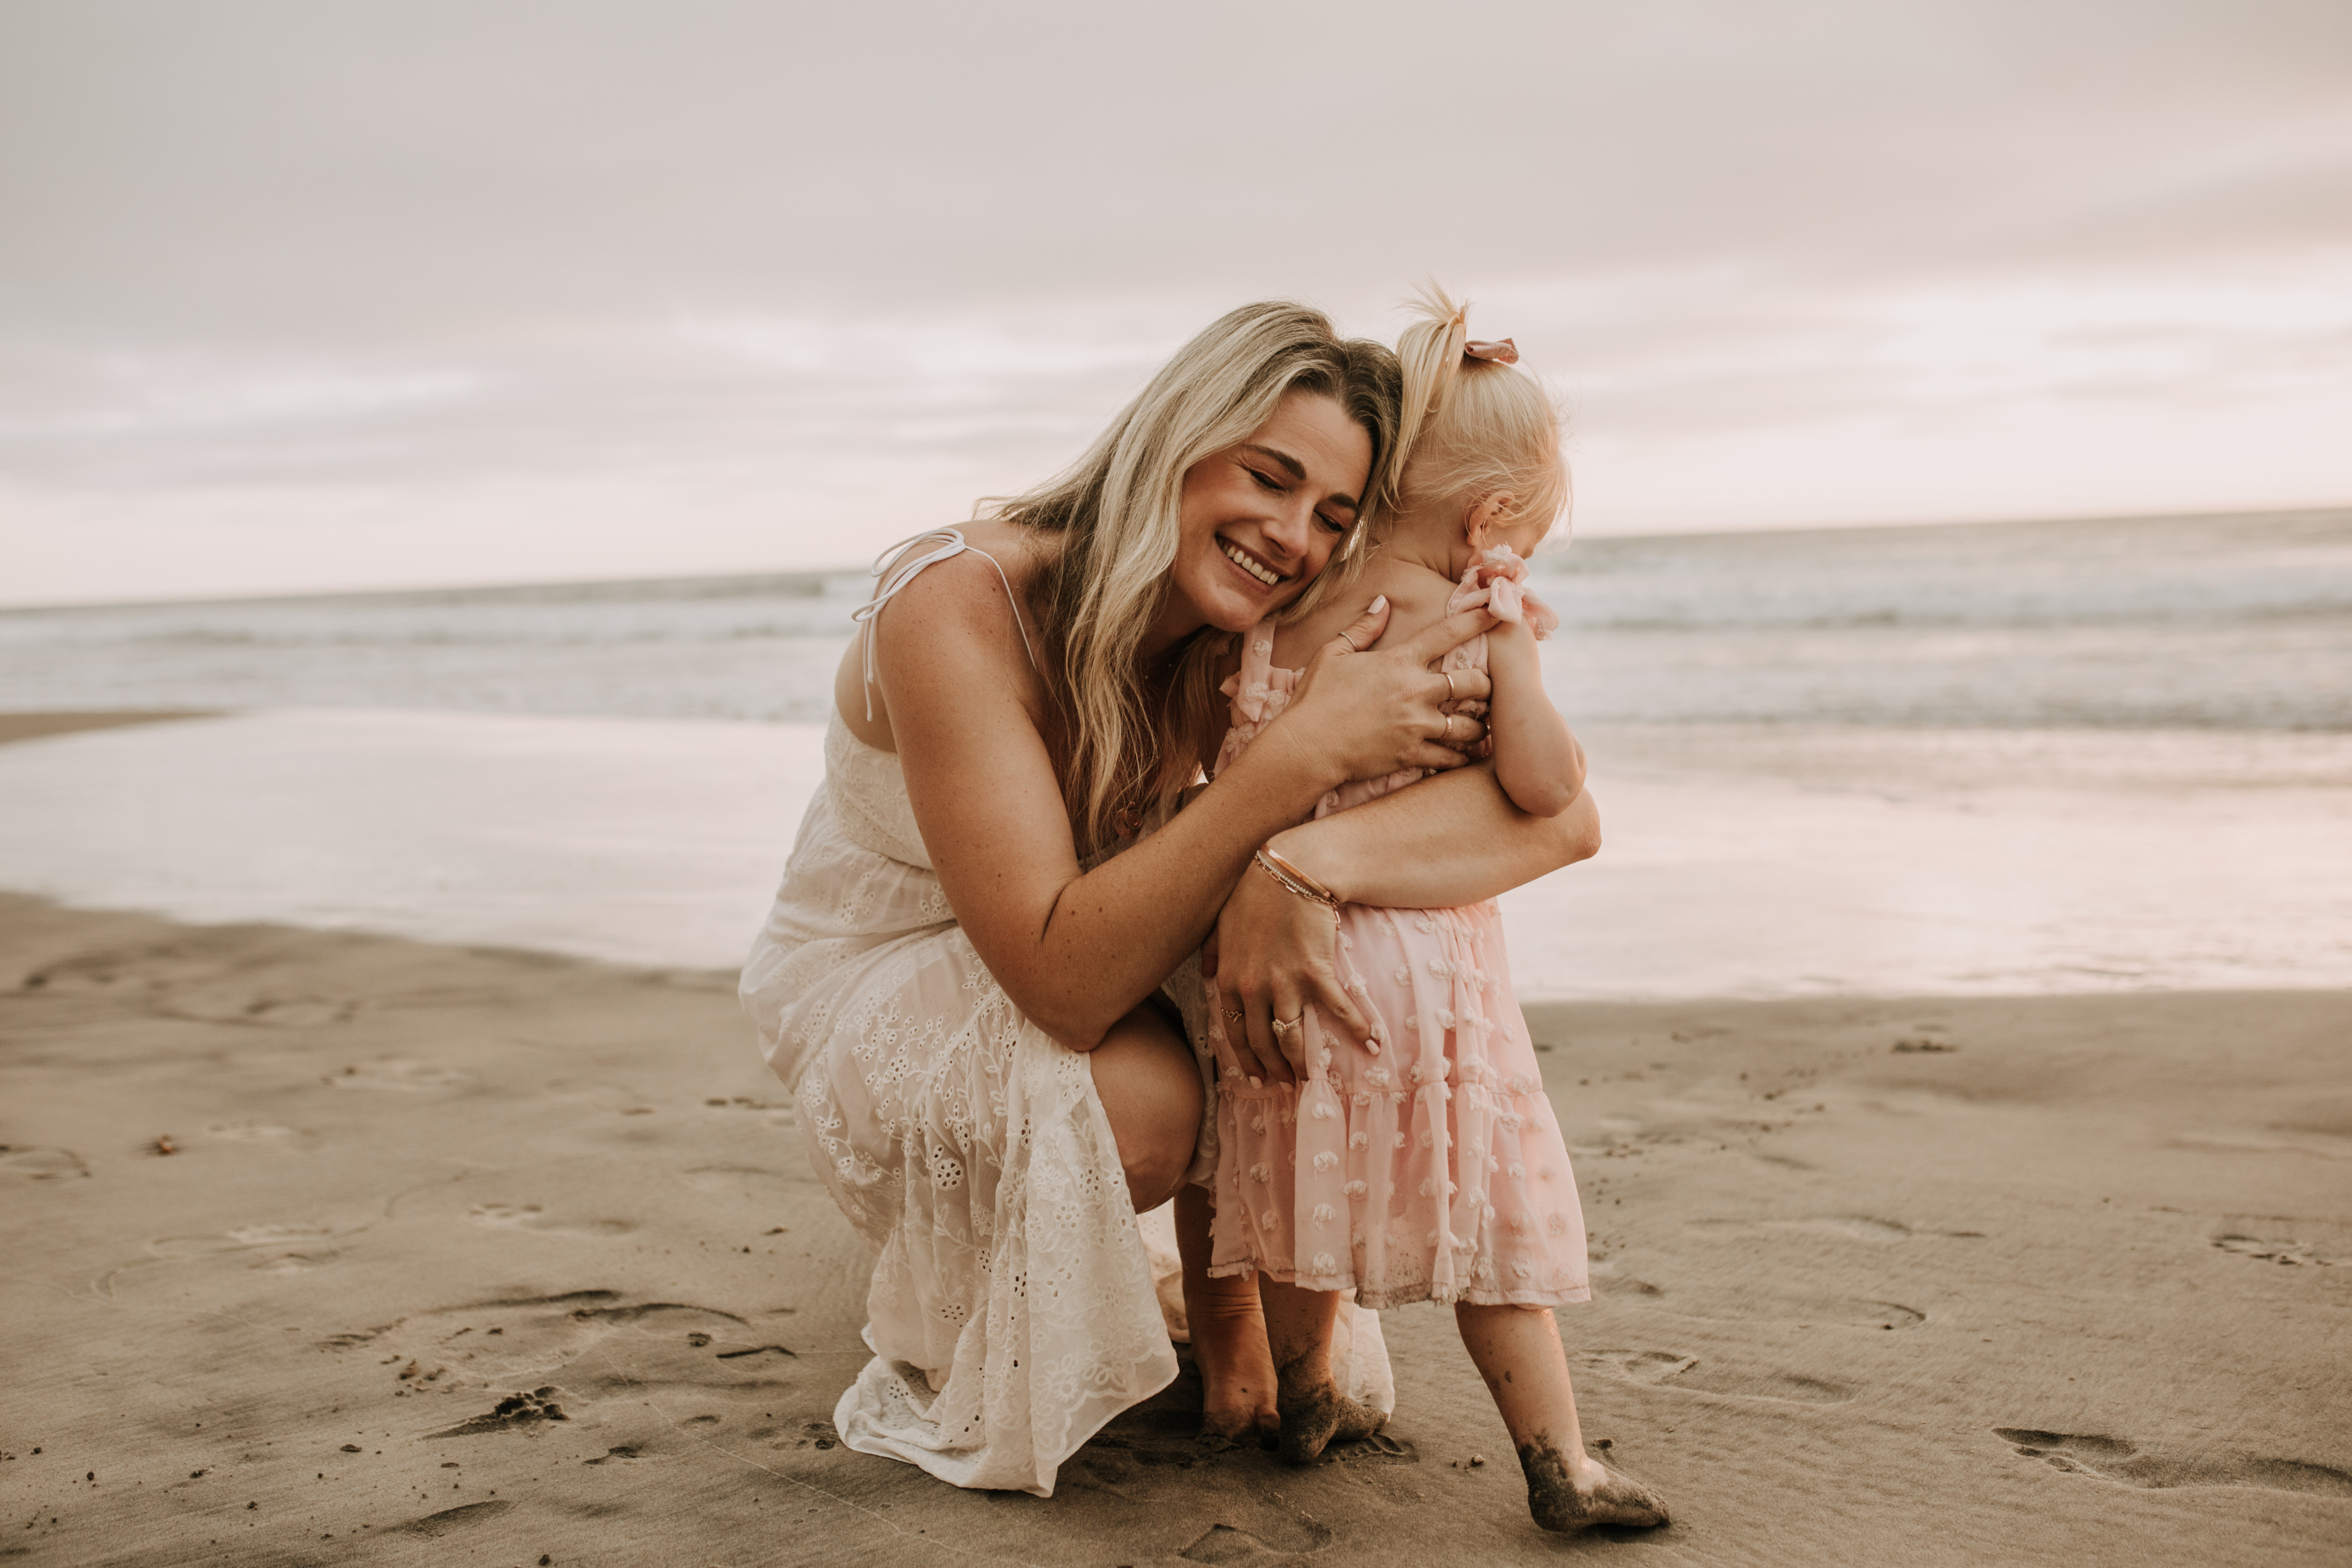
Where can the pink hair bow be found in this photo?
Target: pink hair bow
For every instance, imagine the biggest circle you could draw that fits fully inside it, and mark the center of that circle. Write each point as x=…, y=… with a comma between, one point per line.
x=1503, y=572
x=1504, y=353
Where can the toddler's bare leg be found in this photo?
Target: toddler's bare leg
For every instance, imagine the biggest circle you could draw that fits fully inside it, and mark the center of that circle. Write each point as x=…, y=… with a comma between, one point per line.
x=1314, y=1413
x=1228, y=1333
x=1517, y=1351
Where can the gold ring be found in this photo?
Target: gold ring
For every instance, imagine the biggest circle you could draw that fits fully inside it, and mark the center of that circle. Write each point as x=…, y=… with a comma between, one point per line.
x=1350, y=642
x=1284, y=1027
x=1236, y=1014
x=1449, y=683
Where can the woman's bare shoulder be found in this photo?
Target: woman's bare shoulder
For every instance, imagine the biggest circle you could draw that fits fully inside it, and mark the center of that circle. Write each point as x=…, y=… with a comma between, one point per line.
x=952, y=625
x=966, y=589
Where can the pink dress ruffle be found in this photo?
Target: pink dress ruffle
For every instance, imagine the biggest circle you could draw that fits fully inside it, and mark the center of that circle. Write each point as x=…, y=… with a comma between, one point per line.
x=1425, y=1164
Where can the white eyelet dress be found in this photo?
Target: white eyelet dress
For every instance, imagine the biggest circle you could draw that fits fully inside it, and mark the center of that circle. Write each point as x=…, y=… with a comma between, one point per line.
x=1012, y=1312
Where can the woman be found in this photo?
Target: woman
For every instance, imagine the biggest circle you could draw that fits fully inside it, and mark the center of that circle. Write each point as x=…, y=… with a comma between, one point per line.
x=957, y=979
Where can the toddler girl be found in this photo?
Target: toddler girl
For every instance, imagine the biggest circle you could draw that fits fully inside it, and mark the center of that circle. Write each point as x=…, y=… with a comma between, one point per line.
x=1424, y=1161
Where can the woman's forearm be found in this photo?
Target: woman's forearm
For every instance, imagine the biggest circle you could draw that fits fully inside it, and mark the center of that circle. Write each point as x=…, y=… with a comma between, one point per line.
x=1446, y=841
x=1115, y=934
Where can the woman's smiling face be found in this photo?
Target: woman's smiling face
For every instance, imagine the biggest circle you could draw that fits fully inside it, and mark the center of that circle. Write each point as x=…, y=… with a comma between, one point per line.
x=1259, y=521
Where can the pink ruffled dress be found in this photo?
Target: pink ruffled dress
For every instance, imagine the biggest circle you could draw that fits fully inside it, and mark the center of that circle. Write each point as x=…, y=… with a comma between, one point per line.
x=1425, y=1163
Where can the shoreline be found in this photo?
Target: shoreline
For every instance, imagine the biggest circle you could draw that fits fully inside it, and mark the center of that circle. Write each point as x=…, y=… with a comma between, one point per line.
x=2027, y=1279
x=1739, y=861
x=27, y=725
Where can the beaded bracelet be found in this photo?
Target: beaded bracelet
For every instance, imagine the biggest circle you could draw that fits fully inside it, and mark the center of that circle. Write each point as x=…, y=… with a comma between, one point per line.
x=1294, y=880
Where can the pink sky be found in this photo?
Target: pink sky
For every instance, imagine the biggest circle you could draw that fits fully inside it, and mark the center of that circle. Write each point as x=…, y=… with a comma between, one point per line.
x=296, y=297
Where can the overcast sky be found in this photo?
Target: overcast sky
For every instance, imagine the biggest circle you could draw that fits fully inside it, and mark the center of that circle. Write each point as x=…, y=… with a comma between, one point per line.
x=299, y=296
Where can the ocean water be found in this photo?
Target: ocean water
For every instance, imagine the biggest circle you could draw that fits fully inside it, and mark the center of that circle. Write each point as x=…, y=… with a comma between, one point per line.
x=2008, y=759
x=2212, y=623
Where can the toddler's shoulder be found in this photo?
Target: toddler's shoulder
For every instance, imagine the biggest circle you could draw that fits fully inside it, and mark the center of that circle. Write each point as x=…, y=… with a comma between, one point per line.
x=1416, y=599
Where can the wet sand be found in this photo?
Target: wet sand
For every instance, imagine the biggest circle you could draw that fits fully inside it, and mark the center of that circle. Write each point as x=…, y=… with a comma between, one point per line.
x=36, y=726
x=487, y=1257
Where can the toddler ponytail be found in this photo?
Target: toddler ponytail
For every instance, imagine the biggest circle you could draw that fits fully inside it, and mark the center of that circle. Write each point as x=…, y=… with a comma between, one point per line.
x=1430, y=351
x=1470, y=425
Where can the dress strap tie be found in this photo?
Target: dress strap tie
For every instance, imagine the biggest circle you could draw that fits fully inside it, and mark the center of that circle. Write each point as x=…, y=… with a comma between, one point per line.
x=899, y=566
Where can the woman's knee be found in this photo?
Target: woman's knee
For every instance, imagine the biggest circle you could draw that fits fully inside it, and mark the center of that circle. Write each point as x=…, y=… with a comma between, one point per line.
x=1150, y=1089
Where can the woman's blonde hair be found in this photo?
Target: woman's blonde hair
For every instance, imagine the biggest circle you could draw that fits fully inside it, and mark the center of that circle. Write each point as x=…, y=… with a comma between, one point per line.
x=1126, y=749
x=1472, y=427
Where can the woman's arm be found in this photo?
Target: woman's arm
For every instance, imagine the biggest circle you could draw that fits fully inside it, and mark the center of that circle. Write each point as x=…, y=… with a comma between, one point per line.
x=1440, y=843
x=1537, y=759
x=1076, y=952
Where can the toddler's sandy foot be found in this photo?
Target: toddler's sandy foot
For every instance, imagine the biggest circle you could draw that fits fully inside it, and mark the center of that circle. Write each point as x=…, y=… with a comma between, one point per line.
x=1316, y=1417
x=1592, y=1494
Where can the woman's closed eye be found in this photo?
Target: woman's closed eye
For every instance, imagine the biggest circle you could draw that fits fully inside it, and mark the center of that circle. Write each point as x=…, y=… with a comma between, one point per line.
x=1268, y=482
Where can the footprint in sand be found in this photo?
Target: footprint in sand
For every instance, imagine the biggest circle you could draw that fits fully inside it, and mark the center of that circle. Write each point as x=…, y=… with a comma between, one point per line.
x=1609, y=1278
x=434, y=1525
x=1786, y=1386
x=532, y=1218
x=277, y=1012
x=1639, y=1366
x=621, y=1454
x=293, y=1238
x=401, y=1074
x=261, y=1132
x=2292, y=1253
x=2318, y=1146
x=1894, y=1315
x=1276, y=1536
x=515, y=1413
x=298, y=1262
x=2119, y=1460
x=514, y=1342
x=40, y=1164
x=1686, y=1373
x=1858, y=1227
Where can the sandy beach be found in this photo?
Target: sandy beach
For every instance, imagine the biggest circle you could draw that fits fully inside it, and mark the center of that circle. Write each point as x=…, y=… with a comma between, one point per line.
x=453, y=463
x=480, y=1256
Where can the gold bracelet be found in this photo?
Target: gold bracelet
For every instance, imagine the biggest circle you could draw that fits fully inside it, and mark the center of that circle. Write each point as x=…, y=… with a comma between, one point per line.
x=1290, y=869
x=1292, y=879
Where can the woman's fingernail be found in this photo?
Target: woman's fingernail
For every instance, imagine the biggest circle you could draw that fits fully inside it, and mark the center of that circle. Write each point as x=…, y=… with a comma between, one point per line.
x=1255, y=1083
x=1380, y=603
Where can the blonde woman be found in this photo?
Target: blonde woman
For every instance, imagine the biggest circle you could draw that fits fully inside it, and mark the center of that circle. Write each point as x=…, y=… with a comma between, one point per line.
x=959, y=977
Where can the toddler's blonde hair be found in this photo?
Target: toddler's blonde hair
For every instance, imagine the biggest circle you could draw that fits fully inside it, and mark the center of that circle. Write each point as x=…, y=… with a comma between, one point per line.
x=1471, y=427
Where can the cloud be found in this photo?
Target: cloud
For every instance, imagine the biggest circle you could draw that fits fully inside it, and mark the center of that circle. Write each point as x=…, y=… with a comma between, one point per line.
x=377, y=261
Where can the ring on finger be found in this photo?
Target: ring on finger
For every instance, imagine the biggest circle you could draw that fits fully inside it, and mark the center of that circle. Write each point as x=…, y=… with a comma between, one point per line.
x=1449, y=683
x=1284, y=1027
x=1234, y=1014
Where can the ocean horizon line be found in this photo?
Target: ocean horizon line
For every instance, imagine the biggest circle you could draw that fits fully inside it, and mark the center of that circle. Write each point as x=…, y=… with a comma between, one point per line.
x=812, y=582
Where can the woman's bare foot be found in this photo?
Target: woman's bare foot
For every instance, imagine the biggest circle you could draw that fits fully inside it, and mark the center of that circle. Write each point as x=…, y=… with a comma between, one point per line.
x=1569, y=1498
x=1228, y=1327
x=1237, y=1381
x=1314, y=1414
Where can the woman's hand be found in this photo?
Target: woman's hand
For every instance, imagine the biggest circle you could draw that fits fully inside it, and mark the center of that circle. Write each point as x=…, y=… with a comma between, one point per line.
x=1371, y=713
x=1274, y=954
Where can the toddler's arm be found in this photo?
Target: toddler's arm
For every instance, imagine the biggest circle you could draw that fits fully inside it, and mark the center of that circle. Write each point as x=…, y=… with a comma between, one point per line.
x=1537, y=759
